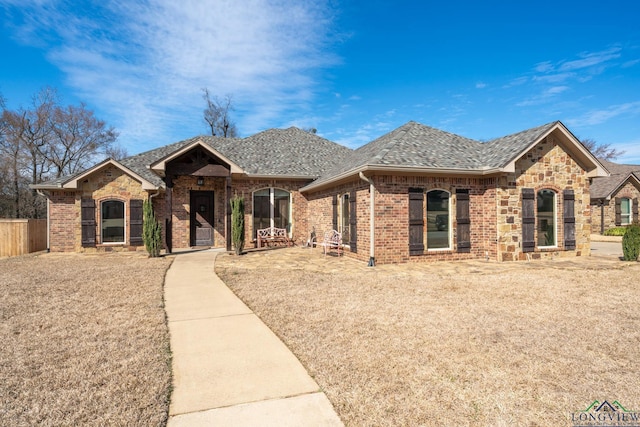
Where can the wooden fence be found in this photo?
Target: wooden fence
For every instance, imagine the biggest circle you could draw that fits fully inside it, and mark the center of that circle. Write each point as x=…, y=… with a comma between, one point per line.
x=22, y=236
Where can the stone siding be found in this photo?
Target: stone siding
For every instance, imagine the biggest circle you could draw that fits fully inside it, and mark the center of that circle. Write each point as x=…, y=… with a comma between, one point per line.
x=606, y=214
x=546, y=166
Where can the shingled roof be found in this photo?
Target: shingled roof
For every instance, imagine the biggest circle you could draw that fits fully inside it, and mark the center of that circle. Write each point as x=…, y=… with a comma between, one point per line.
x=294, y=153
x=604, y=187
x=416, y=147
x=274, y=153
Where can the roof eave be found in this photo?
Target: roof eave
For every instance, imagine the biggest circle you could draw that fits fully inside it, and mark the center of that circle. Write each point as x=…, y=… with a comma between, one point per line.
x=597, y=169
x=72, y=183
x=630, y=177
x=484, y=171
x=266, y=176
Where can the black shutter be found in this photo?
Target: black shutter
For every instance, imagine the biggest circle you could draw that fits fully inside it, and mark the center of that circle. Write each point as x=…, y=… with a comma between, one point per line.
x=334, y=218
x=569, y=220
x=528, y=220
x=353, y=223
x=135, y=222
x=416, y=221
x=635, y=210
x=88, y=222
x=463, y=221
x=618, y=212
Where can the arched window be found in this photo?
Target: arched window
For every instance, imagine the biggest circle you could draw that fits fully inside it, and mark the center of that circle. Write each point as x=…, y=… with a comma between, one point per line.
x=546, y=217
x=438, y=220
x=271, y=208
x=112, y=221
x=625, y=211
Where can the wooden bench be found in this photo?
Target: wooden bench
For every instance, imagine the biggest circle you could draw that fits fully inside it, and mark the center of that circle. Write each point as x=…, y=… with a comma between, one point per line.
x=272, y=235
x=332, y=240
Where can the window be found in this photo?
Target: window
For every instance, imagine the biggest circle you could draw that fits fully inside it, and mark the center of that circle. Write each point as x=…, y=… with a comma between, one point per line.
x=438, y=220
x=343, y=223
x=112, y=224
x=625, y=211
x=271, y=209
x=546, y=218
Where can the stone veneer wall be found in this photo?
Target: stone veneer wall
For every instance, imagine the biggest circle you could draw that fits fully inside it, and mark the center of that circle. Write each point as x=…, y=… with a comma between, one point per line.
x=609, y=209
x=546, y=166
x=107, y=183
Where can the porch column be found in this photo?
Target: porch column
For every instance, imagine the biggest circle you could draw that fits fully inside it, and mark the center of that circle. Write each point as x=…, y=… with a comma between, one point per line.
x=227, y=208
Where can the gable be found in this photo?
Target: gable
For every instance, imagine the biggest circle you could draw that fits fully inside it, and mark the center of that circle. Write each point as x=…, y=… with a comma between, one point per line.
x=75, y=182
x=515, y=147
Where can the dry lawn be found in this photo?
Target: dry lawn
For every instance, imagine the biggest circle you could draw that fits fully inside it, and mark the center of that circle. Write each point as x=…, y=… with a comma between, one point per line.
x=84, y=341
x=467, y=343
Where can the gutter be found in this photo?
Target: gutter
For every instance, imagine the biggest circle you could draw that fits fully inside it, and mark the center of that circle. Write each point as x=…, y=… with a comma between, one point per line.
x=372, y=234
x=484, y=171
x=48, y=220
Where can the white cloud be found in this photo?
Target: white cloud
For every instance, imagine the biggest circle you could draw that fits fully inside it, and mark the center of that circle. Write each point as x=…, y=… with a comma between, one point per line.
x=596, y=117
x=144, y=63
x=591, y=59
x=631, y=152
x=481, y=85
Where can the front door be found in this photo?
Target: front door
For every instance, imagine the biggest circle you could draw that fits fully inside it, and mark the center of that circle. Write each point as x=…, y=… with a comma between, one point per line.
x=202, y=220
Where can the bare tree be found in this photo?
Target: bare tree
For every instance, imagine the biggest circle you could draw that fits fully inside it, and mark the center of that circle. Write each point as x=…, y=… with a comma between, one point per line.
x=42, y=142
x=117, y=152
x=78, y=136
x=602, y=151
x=217, y=115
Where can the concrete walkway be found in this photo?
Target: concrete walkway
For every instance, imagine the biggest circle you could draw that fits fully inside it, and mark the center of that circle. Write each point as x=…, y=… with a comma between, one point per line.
x=229, y=369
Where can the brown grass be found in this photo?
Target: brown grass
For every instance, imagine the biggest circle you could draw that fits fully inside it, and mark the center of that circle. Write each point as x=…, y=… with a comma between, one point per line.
x=84, y=341
x=466, y=343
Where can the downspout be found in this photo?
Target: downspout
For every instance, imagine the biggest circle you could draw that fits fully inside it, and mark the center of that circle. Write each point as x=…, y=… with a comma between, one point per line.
x=372, y=234
x=48, y=224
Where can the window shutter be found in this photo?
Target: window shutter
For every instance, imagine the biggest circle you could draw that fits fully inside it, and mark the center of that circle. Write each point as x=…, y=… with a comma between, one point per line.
x=353, y=223
x=635, y=210
x=88, y=222
x=618, y=212
x=135, y=222
x=416, y=221
x=334, y=218
x=463, y=221
x=569, y=220
x=528, y=220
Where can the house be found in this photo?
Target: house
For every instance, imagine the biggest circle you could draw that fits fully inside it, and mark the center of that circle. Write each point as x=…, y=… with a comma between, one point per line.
x=614, y=198
x=415, y=194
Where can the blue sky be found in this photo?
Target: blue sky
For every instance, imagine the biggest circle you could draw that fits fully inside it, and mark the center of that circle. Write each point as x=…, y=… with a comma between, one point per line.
x=352, y=69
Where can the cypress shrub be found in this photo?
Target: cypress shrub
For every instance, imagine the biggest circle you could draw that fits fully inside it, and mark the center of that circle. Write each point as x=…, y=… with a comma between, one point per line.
x=237, y=223
x=631, y=243
x=151, y=230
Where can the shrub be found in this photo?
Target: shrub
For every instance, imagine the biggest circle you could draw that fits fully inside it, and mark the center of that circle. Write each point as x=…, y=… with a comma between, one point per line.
x=151, y=230
x=616, y=231
x=237, y=223
x=631, y=243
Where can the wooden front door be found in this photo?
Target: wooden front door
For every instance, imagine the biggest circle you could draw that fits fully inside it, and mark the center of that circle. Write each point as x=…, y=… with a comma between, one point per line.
x=202, y=219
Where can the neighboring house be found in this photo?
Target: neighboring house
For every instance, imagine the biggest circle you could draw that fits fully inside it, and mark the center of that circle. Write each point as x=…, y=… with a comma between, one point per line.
x=414, y=194
x=614, y=199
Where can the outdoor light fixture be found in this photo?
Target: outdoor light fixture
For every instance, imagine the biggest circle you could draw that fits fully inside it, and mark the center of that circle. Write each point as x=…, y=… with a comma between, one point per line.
x=200, y=180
